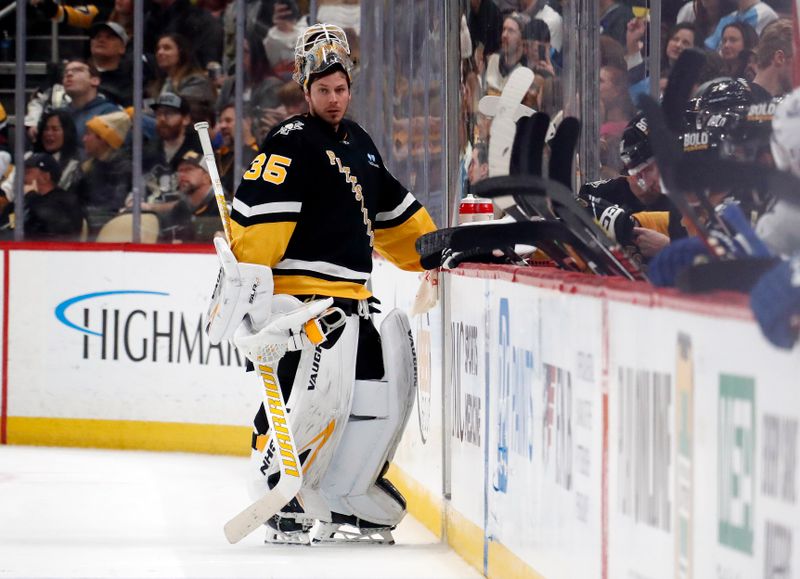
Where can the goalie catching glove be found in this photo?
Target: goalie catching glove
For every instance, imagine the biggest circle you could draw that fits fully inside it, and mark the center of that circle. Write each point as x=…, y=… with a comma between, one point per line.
x=294, y=326
x=263, y=327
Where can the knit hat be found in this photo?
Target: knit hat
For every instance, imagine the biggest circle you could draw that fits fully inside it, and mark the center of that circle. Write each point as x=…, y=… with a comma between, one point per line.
x=111, y=127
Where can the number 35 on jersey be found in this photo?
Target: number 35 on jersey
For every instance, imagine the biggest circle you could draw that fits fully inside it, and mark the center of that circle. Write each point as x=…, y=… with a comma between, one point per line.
x=274, y=171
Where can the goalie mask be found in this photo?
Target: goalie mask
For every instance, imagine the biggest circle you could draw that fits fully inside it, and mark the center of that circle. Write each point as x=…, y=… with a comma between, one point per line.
x=320, y=47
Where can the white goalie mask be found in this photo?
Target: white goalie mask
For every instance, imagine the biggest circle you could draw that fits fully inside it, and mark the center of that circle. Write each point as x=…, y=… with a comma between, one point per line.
x=318, y=48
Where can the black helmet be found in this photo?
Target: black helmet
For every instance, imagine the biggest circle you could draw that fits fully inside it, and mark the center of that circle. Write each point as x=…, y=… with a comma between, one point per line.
x=634, y=147
x=740, y=132
x=717, y=95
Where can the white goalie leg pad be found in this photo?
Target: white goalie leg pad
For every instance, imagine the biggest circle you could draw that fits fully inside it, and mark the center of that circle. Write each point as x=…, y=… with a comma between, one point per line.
x=319, y=406
x=377, y=421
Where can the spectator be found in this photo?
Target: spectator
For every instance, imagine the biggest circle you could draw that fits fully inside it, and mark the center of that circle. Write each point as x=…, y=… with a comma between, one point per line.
x=536, y=39
x=178, y=72
x=681, y=36
x=195, y=217
x=738, y=41
x=541, y=10
x=614, y=18
x=478, y=168
x=58, y=137
x=260, y=83
x=47, y=97
x=123, y=15
x=616, y=107
x=258, y=21
x=753, y=12
x=343, y=13
x=228, y=126
x=167, y=17
x=705, y=15
x=774, y=58
x=50, y=212
x=485, y=27
x=107, y=47
x=291, y=98
x=512, y=54
x=106, y=178
x=174, y=138
x=281, y=39
x=611, y=53
x=81, y=82
x=616, y=110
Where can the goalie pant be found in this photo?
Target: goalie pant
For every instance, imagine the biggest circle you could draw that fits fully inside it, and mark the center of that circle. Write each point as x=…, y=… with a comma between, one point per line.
x=348, y=401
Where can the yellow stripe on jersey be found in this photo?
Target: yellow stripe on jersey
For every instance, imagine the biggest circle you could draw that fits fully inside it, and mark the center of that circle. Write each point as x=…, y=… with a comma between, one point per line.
x=397, y=244
x=302, y=285
x=655, y=220
x=262, y=243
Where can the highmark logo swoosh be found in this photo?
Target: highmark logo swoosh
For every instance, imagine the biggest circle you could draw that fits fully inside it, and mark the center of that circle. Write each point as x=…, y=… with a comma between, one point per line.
x=61, y=309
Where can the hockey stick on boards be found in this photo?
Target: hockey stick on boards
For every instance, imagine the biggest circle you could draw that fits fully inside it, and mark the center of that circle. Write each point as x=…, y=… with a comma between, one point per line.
x=291, y=477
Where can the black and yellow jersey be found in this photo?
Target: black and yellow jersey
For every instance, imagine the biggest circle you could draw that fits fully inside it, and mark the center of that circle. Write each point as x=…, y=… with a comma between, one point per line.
x=315, y=203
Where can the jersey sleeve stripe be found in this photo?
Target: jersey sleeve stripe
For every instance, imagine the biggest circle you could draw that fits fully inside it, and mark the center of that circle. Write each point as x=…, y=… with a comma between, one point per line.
x=266, y=208
x=397, y=211
x=320, y=268
x=407, y=214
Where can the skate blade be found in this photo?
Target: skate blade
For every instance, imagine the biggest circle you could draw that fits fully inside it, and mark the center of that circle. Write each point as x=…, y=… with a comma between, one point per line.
x=278, y=538
x=333, y=534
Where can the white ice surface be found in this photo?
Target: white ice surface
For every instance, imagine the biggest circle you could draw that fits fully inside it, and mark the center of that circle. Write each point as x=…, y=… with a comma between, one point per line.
x=93, y=513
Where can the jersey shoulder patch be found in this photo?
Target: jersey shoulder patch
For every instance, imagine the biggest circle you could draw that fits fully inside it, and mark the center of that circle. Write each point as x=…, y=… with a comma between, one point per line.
x=596, y=184
x=289, y=127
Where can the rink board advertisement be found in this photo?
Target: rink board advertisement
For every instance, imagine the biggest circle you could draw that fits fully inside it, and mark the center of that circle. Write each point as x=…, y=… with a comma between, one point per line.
x=467, y=387
x=701, y=415
x=703, y=479
x=118, y=336
x=526, y=408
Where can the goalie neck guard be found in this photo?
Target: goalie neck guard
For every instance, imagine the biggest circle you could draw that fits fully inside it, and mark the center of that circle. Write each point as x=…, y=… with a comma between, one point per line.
x=320, y=47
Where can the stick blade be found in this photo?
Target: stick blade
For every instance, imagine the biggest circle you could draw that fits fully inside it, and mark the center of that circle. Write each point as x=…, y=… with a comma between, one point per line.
x=260, y=511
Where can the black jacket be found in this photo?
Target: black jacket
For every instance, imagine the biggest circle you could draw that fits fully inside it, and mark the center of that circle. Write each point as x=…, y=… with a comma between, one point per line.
x=55, y=216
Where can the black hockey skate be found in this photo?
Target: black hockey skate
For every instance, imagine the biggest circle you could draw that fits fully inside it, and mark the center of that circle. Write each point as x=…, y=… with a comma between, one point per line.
x=290, y=526
x=351, y=529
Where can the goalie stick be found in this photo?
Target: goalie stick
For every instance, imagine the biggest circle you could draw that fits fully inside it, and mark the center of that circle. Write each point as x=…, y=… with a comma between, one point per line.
x=558, y=201
x=557, y=241
x=291, y=473
x=612, y=260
